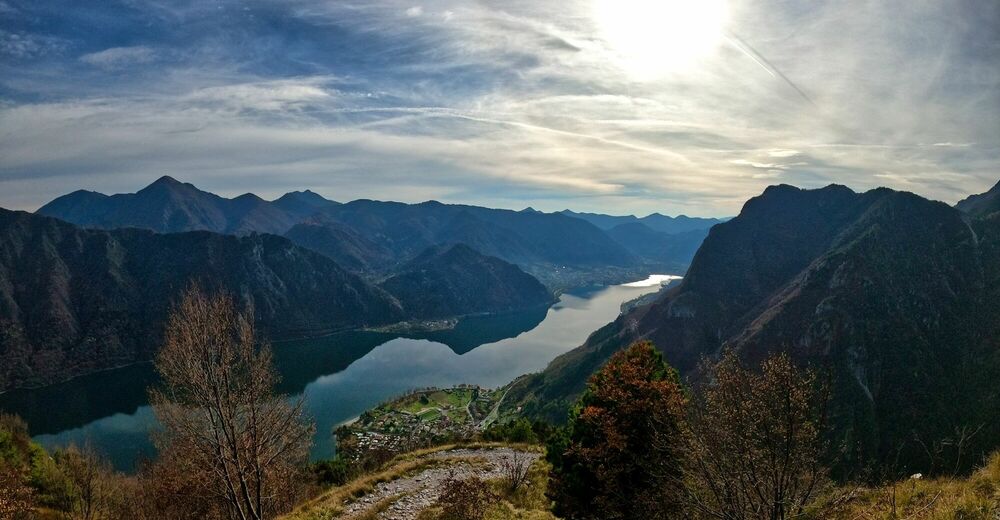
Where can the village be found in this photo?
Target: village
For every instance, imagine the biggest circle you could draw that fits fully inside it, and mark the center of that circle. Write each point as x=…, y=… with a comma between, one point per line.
x=420, y=418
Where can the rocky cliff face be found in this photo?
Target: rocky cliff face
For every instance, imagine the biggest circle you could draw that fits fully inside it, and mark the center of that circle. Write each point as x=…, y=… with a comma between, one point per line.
x=896, y=296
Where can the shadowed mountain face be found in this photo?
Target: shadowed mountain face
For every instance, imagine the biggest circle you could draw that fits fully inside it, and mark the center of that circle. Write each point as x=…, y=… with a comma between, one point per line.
x=895, y=295
x=341, y=243
x=453, y=280
x=73, y=301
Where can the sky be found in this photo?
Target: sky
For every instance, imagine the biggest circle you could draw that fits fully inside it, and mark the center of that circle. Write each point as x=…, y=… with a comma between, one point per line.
x=615, y=106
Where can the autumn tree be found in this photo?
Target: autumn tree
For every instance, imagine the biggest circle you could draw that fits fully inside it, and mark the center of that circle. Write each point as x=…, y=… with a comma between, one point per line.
x=620, y=455
x=756, y=441
x=219, y=412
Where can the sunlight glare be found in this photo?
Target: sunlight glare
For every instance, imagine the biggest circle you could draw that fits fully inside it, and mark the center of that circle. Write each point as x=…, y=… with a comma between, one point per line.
x=657, y=37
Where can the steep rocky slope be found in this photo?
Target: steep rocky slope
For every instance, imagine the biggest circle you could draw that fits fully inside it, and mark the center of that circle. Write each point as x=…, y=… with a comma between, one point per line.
x=896, y=296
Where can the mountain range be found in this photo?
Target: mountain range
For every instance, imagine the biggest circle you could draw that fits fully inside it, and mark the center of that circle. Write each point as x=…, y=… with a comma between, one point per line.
x=74, y=301
x=171, y=206
x=86, y=282
x=892, y=295
x=374, y=239
x=655, y=221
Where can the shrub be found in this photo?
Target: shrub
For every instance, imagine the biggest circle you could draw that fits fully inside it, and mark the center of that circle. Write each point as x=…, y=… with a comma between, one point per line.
x=335, y=472
x=468, y=499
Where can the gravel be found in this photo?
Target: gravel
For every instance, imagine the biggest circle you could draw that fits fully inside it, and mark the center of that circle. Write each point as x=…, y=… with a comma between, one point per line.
x=411, y=495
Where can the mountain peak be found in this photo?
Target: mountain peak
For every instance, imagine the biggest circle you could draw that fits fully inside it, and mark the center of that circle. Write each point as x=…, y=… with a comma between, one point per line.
x=168, y=184
x=166, y=180
x=249, y=197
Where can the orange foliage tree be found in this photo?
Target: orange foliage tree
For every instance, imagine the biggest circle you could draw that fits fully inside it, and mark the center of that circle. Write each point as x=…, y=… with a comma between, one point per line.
x=620, y=456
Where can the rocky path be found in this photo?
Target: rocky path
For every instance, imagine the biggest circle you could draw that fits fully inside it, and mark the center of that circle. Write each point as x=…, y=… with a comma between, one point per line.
x=411, y=495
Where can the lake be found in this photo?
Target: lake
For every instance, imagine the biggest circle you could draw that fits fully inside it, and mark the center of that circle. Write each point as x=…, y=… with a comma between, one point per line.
x=340, y=375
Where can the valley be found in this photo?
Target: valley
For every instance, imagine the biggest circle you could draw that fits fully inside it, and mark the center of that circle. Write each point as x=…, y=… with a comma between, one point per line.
x=340, y=376
x=883, y=296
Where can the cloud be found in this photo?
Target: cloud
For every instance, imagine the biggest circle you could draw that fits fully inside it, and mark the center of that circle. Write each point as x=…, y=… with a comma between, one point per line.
x=118, y=57
x=501, y=103
x=275, y=95
x=22, y=45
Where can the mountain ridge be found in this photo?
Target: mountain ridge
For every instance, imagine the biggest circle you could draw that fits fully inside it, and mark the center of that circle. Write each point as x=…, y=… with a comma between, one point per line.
x=378, y=236
x=885, y=289
x=74, y=301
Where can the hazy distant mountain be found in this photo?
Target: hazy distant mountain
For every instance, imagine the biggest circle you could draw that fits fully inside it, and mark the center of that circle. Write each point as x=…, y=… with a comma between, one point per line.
x=73, y=301
x=672, y=251
x=546, y=245
x=168, y=205
x=895, y=294
x=656, y=221
x=303, y=204
x=982, y=204
x=453, y=280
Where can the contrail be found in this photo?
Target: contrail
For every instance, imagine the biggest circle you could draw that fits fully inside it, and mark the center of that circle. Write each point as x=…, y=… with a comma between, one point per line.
x=457, y=114
x=759, y=59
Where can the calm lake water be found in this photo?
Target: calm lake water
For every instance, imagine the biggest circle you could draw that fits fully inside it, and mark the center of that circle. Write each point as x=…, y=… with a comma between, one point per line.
x=340, y=375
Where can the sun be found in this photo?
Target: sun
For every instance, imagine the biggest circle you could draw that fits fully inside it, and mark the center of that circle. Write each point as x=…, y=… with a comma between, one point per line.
x=653, y=38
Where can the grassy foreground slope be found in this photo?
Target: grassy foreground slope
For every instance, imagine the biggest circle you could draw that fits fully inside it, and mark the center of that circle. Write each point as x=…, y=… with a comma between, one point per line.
x=976, y=497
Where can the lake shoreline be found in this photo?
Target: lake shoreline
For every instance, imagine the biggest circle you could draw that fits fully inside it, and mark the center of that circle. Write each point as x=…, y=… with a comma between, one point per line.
x=340, y=375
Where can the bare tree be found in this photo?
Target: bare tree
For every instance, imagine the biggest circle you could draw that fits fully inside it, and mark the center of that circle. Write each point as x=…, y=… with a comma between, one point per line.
x=218, y=407
x=515, y=468
x=756, y=441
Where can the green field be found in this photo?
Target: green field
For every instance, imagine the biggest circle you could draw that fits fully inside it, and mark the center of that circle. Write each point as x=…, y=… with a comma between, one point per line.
x=429, y=415
x=450, y=398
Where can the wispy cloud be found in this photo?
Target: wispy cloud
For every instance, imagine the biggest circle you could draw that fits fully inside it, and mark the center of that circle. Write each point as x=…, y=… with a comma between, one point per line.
x=511, y=104
x=116, y=57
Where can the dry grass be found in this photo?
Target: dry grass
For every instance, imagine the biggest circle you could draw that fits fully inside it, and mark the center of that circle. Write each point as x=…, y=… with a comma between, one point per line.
x=974, y=498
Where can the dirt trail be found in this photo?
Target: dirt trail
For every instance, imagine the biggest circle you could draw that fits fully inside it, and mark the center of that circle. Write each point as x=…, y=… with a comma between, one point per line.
x=411, y=495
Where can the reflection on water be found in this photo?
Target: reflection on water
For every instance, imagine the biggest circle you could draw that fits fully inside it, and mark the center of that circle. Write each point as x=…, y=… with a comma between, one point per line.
x=340, y=375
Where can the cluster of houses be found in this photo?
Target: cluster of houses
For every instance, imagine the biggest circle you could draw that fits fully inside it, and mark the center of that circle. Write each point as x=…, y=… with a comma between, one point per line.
x=417, y=420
